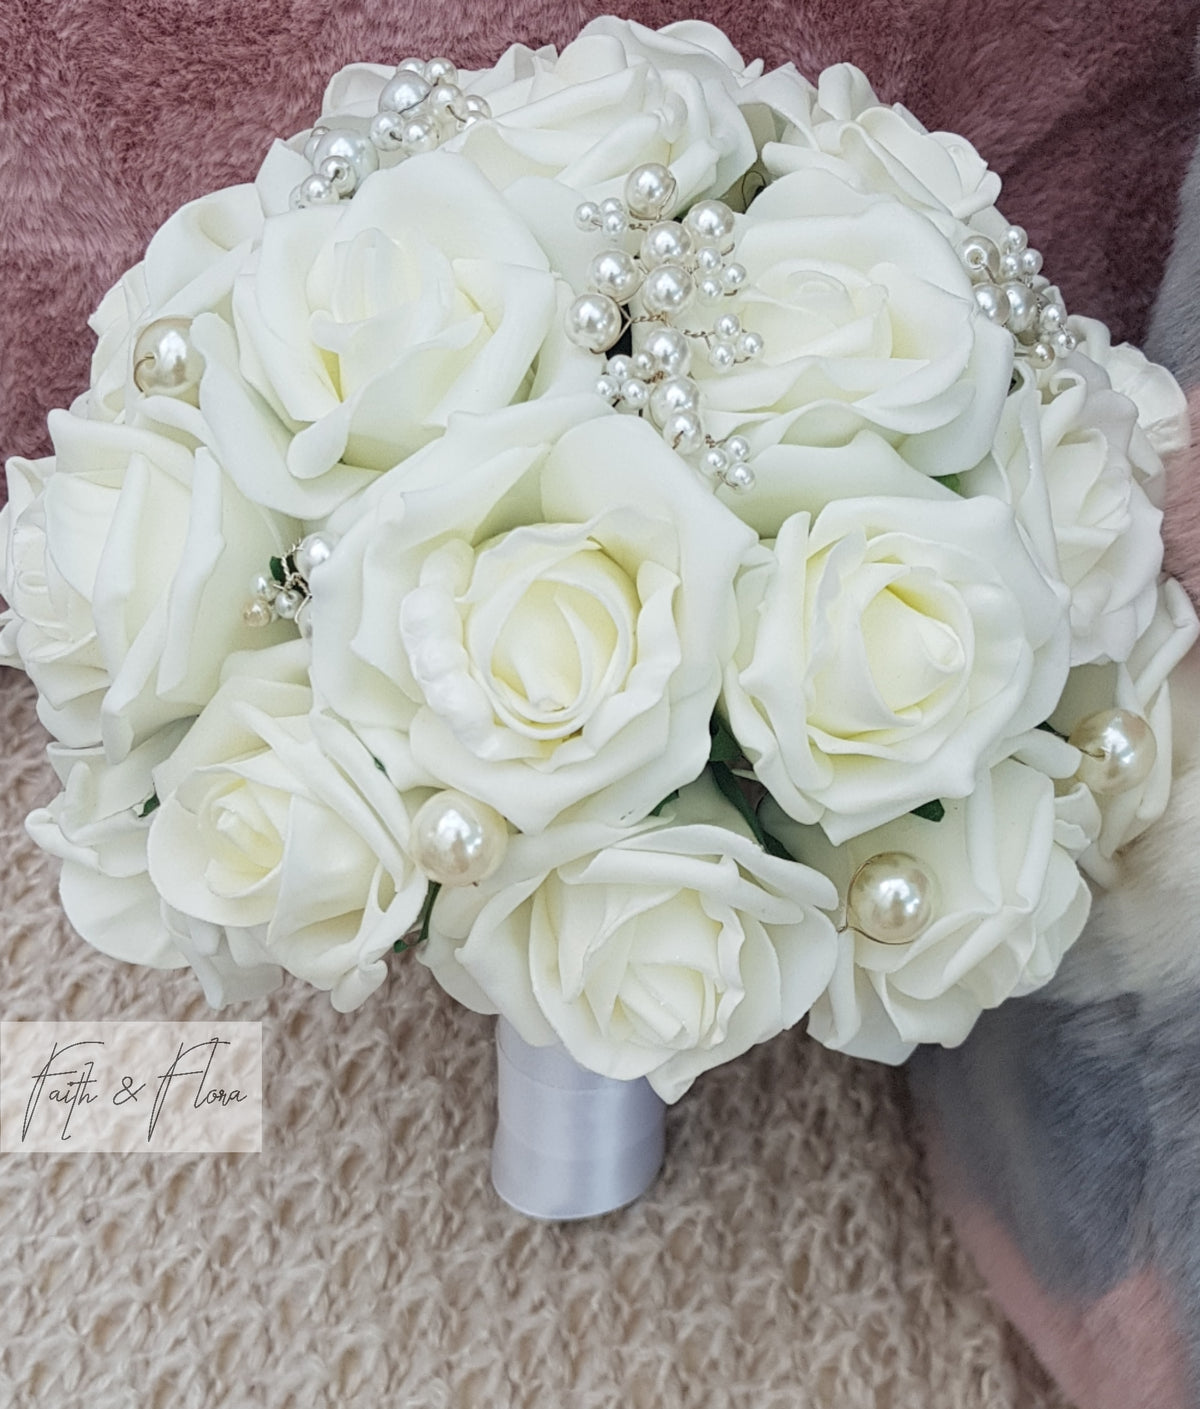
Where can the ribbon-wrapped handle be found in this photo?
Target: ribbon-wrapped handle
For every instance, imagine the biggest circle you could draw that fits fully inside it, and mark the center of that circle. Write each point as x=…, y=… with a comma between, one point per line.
x=570, y=1144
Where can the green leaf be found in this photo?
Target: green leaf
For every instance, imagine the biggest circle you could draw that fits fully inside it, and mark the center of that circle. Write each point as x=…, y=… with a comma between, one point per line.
x=401, y=945
x=930, y=811
x=724, y=747
x=150, y=805
x=953, y=482
x=277, y=571
x=378, y=765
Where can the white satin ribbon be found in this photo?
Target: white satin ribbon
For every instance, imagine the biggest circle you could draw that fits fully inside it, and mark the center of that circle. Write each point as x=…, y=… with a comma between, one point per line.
x=569, y=1143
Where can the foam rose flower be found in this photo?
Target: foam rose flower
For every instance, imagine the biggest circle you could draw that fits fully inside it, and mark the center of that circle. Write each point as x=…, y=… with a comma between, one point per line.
x=535, y=612
x=276, y=826
x=1009, y=901
x=889, y=648
x=1080, y=475
x=841, y=122
x=868, y=322
x=618, y=95
x=1141, y=685
x=124, y=560
x=362, y=327
x=658, y=951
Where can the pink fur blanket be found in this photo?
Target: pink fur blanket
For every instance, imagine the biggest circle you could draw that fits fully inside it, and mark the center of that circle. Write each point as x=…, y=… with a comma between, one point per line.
x=113, y=113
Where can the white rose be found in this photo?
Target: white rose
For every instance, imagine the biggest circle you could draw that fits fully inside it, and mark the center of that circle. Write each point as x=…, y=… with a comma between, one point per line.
x=1141, y=685
x=188, y=269
x=1069, y=465
x=842, y=123
x=1009, y=902
x=889, y=648
x=277, y=823
x=618, y=95
x=534, y=611
x=126, y=563
x=868, y=321
x=364, y=326
x=98, y=825
x=1162, y=410
x=659, y=951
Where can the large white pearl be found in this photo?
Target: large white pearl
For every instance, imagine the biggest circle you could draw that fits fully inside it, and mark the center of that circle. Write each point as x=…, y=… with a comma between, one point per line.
x=1117, y=749
x=164, y=361
x=668, y=289
x=404, y=91
x=616, y=273
x=673, y=394
x=993, y=302
x=981, y=257
x=594, y=322
x=350, y=146
x=669, y=351
x=665, y=243
x=456, y=840
x=891, y=898
x=712, y=223
x=650, y=190
x=311, y=552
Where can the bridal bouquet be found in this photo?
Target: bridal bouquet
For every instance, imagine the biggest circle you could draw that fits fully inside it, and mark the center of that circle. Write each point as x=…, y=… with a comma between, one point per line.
x=637, y=534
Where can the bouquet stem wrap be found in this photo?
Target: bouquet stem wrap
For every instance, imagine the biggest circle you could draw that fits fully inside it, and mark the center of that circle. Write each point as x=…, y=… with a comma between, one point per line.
x=570, y=1144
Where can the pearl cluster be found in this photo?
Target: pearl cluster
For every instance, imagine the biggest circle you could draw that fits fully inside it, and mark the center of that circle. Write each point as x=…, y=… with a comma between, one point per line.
x=420, y=106
x=288, y=594
x=1012, y=291
x=677, y=264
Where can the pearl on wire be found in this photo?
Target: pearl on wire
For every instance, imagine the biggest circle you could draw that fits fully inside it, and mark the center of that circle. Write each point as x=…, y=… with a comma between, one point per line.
x=891, y=898
x=164, y=361
x=1117, y=750
x=456, y=840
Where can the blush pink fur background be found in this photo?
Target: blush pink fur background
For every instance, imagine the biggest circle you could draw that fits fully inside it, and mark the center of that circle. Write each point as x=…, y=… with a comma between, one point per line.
x=114, y=112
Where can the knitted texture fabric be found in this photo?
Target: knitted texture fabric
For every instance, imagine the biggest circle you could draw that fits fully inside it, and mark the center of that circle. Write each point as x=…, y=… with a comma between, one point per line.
x=788, y=1258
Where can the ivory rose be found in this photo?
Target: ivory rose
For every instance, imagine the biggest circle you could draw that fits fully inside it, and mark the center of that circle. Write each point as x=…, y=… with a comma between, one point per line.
x=125, y=561
x=660, y=951
x=889, y=648
x=535, y=611
x=868, y=322
x=276, y=824
x=1008, y=902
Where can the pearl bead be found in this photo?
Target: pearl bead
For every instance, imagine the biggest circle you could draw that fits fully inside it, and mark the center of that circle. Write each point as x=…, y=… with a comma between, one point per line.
x=981, y=256
x=310, y=147
x=1010, y=266
x=722, y=355
x=891, y=898
x=349, y=146
x=610, y=205
x=992, y=302
x=257, y=614
x=1031, y=262
x=708, y=259
x=733, y=277
x=387, y=131
x=164, y=361
x=446, y=101
x=673, y=394
x=1041, y=354
x=620, y=366
x=750, y=346
x=263, y=586
x=420, y=135
x=711, y=289
x=316, y=191
x=1065, y=341
x=738, y=447
x=635, y=393
x=1050, y=319
x=684, y=432
x=665, y=243
x=476, y=108
x=650, y=190
x=669, y=351
x=340, y=173
x=608, y=387
x=304, y=619
x=441, y=70
x=615, y=273
x=614, y=223
x=456, y=840
x=288, y=602
x=312, y=551
x=594, y=322
x=643, y=364
x=403, y=91
x=668, y=289
x=711, y=222
x=1014, y=240
x=716, y=462
x=1117, y=749
x=728, y=325
x=411, y=66
x=1022, y=306
x=739, y=478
